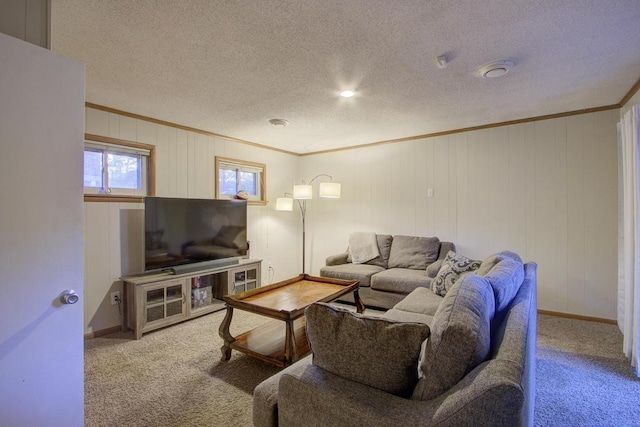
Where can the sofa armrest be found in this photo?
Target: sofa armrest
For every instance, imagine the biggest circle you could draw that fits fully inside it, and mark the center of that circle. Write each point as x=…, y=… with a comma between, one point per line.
x=337, y=259
x=265, y=395
x=434, y=267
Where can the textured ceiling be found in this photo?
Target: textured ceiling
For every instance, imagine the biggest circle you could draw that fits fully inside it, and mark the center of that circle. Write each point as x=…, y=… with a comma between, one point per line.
x=228, y=67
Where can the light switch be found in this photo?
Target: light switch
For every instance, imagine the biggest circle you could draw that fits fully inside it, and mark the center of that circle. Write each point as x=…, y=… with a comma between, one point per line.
x=430, y=192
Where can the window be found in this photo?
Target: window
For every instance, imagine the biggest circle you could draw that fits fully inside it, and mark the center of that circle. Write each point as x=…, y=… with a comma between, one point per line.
x=116, y=168
x=233, y=176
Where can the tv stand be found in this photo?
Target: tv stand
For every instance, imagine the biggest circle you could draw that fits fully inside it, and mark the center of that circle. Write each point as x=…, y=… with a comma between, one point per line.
x=156, y=300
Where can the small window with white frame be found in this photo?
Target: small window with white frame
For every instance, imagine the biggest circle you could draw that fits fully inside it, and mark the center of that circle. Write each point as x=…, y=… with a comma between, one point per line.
x=240, y=178
x=115, y=169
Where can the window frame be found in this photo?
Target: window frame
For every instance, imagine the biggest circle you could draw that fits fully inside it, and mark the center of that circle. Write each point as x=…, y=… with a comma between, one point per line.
x=262, y=179
x=93, y=141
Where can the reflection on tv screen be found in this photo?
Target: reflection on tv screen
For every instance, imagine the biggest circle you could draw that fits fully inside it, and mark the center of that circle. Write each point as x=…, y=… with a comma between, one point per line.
x=186, y=231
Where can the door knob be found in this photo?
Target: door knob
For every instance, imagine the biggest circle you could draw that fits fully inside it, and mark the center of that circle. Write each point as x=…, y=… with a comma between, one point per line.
x=69, y=297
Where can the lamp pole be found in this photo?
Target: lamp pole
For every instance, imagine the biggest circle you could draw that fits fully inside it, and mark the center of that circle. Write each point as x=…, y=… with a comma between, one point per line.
x=302, y=193
x=303, y=211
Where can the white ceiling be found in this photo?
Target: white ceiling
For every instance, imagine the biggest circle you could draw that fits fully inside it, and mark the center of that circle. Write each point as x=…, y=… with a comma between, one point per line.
x=228, y=67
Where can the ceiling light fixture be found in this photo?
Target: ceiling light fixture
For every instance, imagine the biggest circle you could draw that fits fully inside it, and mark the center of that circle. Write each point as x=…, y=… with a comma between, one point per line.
x=279, y=123
x=495, y=69
x=347, y=94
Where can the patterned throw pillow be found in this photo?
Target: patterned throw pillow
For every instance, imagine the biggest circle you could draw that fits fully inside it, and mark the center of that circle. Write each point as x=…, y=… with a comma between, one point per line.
x=452, y=267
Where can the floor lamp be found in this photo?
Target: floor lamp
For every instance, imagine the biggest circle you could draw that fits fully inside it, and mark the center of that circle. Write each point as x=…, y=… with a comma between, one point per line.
x=302, y=193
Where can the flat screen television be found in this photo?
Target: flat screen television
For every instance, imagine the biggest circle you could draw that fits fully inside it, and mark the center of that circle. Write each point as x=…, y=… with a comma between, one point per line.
x=179, y=232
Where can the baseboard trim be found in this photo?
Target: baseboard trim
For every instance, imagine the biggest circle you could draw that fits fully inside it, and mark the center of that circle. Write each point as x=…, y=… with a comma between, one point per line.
x=102, y=332
x=578, y=317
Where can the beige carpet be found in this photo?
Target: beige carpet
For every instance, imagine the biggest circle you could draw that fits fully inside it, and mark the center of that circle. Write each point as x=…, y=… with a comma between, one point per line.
x=174, y=376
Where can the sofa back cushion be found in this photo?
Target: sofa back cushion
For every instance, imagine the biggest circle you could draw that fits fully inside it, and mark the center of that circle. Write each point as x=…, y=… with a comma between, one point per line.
x=505, y=273
x=460, y=336
x=384, y=246
x=374, y=351
x=413, y=252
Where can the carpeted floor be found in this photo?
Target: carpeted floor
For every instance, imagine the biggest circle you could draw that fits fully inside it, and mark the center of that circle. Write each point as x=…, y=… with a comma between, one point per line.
x=174, y=376
x=583, y=378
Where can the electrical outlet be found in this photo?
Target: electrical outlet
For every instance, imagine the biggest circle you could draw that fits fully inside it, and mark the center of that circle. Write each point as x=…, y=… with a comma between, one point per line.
x=115, y=298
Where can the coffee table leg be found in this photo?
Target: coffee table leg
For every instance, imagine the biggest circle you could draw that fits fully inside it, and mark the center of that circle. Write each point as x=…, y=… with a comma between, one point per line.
x=223, y=331
x=359, y=304
x=290, y=352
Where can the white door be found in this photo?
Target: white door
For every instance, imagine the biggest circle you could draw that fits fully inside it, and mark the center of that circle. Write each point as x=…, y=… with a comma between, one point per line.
x=41, y=254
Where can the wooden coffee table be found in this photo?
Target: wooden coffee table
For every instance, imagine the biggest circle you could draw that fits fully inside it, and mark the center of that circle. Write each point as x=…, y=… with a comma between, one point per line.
x=276, y=342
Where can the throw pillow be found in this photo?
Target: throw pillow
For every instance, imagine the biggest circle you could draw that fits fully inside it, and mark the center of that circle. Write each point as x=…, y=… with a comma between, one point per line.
x=378, y=352
x=460, y=337
x=453, y=266
x=413, y=252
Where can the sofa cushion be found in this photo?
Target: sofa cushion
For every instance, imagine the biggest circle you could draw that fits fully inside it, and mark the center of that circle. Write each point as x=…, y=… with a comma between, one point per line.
x=370, y=350
x=413, y=252
x=400, y=280
x=407, y=316
x=505, y=273
x=360, y=272
x=421, y=300
x=453, y=266
x=460, y=336
x=489, y=262
x=384, y=246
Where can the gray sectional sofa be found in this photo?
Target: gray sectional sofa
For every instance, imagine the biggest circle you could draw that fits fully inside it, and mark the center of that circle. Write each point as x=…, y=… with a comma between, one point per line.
x=477, y=366
x=405, y=263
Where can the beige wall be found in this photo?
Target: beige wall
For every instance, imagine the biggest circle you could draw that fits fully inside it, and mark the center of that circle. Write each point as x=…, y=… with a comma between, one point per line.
x=185, y=168
x=546, y=190
x=28, y=20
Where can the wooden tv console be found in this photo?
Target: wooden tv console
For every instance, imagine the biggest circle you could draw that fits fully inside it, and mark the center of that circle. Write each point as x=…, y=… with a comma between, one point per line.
x=156, y=300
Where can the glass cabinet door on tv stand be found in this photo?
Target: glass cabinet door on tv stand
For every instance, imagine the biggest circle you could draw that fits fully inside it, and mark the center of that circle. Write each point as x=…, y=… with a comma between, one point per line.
x=244, y=278
x=163, y=303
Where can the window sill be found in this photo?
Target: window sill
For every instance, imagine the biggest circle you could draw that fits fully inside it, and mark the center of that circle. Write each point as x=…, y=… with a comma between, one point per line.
x=113, y=199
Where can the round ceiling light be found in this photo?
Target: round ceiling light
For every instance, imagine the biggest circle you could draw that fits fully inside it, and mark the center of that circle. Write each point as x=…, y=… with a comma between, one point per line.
x=495, y=69
x=279, y=123
x=347, y=94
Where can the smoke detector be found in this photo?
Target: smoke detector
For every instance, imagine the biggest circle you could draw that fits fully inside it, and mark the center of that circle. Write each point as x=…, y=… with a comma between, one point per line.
x=495, y=69
x=279, y=123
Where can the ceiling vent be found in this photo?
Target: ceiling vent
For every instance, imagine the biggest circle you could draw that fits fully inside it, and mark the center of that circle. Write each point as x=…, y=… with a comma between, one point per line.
x=279, y=123
x=495, y=69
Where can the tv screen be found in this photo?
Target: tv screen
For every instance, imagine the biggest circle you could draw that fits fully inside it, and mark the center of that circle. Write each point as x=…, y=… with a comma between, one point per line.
x=187, y=231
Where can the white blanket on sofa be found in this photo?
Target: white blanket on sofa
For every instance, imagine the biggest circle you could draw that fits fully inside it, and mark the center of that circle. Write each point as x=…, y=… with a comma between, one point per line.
x=363, y=247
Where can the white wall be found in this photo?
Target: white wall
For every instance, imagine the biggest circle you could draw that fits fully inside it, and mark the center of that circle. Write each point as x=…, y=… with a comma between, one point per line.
x=185, y=167
x=546, y=190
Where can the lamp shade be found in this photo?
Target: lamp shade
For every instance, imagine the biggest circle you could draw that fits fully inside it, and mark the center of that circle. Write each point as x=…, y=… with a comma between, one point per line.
x=302, y=192
x=330, y=190
x=284, y=204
